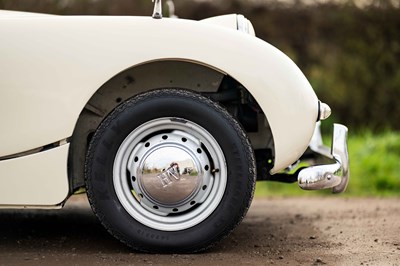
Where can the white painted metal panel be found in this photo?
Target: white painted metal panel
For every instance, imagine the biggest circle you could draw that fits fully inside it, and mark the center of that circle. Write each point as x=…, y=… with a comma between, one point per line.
x=35, y=180
x=51, y=66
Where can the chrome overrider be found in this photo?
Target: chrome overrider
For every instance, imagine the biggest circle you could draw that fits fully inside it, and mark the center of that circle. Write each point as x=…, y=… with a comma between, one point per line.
x=336, y=175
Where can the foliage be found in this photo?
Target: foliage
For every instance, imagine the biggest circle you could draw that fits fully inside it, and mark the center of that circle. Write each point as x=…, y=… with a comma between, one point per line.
x=375, y=164
x=80, y=7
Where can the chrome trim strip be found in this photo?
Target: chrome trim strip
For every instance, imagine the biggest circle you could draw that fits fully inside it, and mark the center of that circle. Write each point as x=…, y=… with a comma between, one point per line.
x=36, y=150
x=33, y=207
x=335, y=176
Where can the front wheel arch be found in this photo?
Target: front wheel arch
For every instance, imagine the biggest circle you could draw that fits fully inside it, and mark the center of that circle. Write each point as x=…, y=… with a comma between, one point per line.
x=126, y=84
x=108, y=141
x=138, y=79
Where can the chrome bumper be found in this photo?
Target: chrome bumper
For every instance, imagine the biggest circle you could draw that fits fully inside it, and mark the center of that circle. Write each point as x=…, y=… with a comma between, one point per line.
x=336, y=175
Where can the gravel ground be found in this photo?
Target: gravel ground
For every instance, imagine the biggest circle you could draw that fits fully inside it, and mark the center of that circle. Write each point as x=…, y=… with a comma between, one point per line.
x=276, y=231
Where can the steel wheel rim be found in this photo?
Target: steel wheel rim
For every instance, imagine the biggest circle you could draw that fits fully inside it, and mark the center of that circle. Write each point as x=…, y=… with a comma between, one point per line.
x=154, y=206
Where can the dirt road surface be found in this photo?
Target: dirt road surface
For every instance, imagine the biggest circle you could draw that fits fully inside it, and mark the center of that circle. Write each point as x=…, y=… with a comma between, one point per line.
x=276, y=231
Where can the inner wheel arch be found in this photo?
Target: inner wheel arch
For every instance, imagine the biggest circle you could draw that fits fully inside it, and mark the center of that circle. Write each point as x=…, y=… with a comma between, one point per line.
x=125, y=85
x=139, y=79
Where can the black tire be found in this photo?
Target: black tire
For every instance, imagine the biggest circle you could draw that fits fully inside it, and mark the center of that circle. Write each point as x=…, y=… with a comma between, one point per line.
x=185, y=106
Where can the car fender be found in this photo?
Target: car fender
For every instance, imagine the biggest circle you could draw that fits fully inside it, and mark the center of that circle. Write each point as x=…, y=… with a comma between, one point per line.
x=51, y=66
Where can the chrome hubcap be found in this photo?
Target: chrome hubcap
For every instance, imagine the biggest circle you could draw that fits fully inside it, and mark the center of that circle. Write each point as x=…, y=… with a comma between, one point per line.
x=170, y=174
x=169, y=171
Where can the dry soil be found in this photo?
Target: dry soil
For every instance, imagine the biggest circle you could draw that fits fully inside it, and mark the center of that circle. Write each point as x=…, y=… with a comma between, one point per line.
x=276, y=231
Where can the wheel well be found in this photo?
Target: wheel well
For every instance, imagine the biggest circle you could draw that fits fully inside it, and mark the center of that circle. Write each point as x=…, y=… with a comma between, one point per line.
x=166, y=74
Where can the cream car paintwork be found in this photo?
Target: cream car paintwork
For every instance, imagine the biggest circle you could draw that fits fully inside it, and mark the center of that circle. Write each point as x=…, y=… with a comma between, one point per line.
x=226, y=21
x=36, y=180
x=51, y=66
x=229, y=21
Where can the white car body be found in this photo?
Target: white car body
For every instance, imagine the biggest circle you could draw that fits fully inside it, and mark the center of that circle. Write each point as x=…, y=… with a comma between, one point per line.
x=121, y=106
x=52, y=65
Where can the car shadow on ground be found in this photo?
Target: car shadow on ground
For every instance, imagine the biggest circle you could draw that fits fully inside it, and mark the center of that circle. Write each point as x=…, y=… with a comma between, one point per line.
x=74, y=231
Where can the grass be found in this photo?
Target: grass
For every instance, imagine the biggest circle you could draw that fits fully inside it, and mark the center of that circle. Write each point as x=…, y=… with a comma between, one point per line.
x=374, y=168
